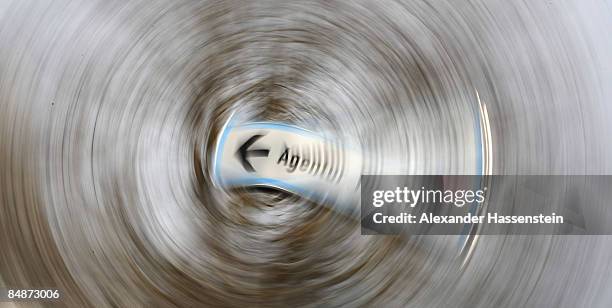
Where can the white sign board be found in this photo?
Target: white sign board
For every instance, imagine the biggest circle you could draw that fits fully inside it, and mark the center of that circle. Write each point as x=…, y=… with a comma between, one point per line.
x=290, y=158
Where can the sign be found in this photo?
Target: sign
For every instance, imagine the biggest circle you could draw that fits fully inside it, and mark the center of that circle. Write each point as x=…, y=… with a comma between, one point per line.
x=314, y=166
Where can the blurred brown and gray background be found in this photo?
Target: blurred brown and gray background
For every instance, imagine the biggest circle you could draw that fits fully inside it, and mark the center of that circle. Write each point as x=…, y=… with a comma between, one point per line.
x=109, y=111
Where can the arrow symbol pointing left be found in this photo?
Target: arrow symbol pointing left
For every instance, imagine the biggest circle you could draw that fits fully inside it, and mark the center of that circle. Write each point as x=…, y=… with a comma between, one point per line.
x=244, y=153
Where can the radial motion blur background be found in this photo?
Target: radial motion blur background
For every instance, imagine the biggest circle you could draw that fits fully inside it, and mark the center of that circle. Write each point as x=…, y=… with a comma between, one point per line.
x=109, y=111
